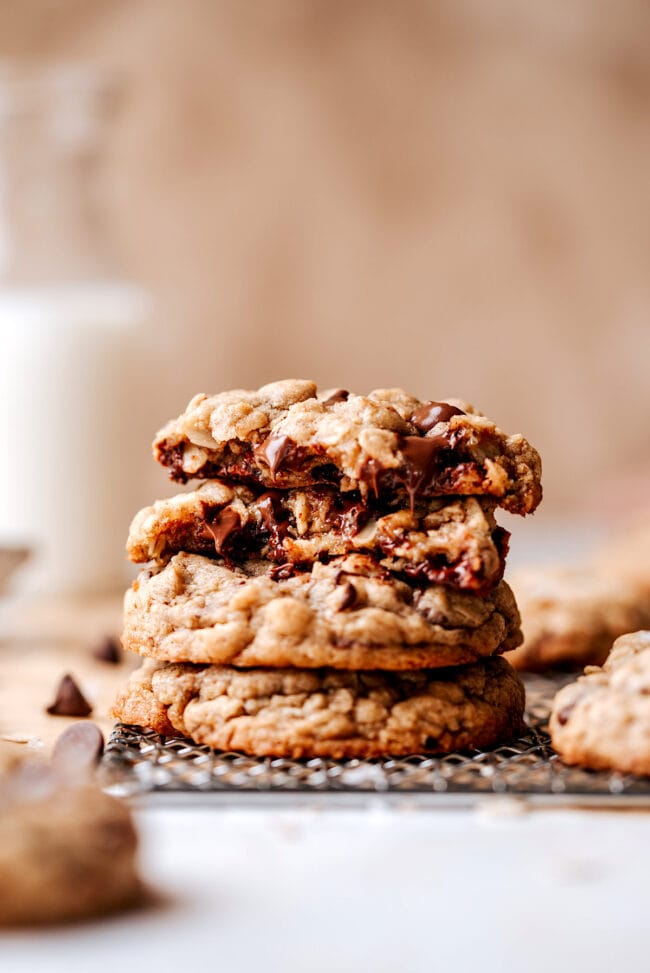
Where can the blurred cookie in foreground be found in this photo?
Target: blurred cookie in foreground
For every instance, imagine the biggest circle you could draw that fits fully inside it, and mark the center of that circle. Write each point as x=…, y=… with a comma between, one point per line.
x=571, y=616
x=602, y=720
x=67, y=850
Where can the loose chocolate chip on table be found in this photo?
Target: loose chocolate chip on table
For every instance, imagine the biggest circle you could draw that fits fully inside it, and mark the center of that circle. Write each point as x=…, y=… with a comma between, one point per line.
x=108, y=650
x=78, y=749
x=69, y=700
x=430, y=413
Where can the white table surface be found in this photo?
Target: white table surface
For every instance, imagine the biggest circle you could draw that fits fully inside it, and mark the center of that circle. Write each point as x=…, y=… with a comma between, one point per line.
x=373, y=889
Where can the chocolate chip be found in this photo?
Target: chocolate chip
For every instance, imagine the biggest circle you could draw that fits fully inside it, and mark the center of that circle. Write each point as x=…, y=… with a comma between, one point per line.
x=564, y=714
x=69, y=700
x=348, y=596
x=172, y=455
x=273, y=451
x=78, y=749
x=430, y=413
x=420, y=455
x=368, y=474
x=338, y=395
x=221, y=524
x=274, y=520
x=108, y=650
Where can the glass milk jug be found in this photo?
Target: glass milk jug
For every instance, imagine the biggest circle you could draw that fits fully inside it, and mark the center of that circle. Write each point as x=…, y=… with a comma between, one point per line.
x=68, y=333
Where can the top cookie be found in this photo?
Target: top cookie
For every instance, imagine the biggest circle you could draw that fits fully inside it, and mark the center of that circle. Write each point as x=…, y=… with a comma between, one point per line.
x=285, y=435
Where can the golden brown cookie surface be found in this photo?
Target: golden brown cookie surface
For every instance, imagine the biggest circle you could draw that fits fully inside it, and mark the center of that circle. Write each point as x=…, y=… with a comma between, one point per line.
x=329, y=713
x=348, y=613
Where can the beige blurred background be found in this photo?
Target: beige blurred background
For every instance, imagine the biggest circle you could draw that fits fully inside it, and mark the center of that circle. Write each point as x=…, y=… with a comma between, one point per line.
x=450, y=196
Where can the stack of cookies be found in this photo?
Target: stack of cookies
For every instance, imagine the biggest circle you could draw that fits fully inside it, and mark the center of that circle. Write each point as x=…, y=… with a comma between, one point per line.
x=334, y=585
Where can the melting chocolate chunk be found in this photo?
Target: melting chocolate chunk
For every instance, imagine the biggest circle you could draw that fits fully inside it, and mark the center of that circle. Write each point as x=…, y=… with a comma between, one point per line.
x=369, y=473
x=420, y=462
x=221, y=524
x=172, y=456
x=430, y=413
x=273, y=451
x=78, y=749
x=108, y=650
x=69, y=700
x=345, y=516
x=274, y=519
x=338, y=395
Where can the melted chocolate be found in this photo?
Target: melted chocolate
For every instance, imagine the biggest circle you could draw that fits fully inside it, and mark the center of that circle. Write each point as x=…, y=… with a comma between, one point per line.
x=221, y=524
x=429, y=414
x=274, y=519
x=346, y=516
x=421, y=455
x=172, y=457
x=369, y=473
x=274, y=451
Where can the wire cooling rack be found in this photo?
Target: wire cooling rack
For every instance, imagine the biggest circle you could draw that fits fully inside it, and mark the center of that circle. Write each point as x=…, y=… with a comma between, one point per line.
x=139, y=762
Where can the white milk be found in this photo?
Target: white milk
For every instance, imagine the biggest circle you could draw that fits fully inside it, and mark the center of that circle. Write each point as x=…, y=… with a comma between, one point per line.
x=67, y=396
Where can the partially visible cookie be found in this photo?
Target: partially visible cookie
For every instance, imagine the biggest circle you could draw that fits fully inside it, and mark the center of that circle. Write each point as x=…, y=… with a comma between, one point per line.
x=348, y=614
x=627, y=555
x=603, y=719
x=328, y=713
x=387, y=443
x=571, y=616
x=66, y=852
x=443, y=541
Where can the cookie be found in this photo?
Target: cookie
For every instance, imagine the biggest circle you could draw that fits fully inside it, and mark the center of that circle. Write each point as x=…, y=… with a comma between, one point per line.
x=328, y=713
x=66, y=852
x=348, y=614
x=387, y=443
x=627, y=555
x=442, y=541
x=571, y=616
x=602, y=720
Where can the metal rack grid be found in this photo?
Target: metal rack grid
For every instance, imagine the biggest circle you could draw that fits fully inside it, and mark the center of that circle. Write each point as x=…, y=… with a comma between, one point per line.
x=139, y=762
